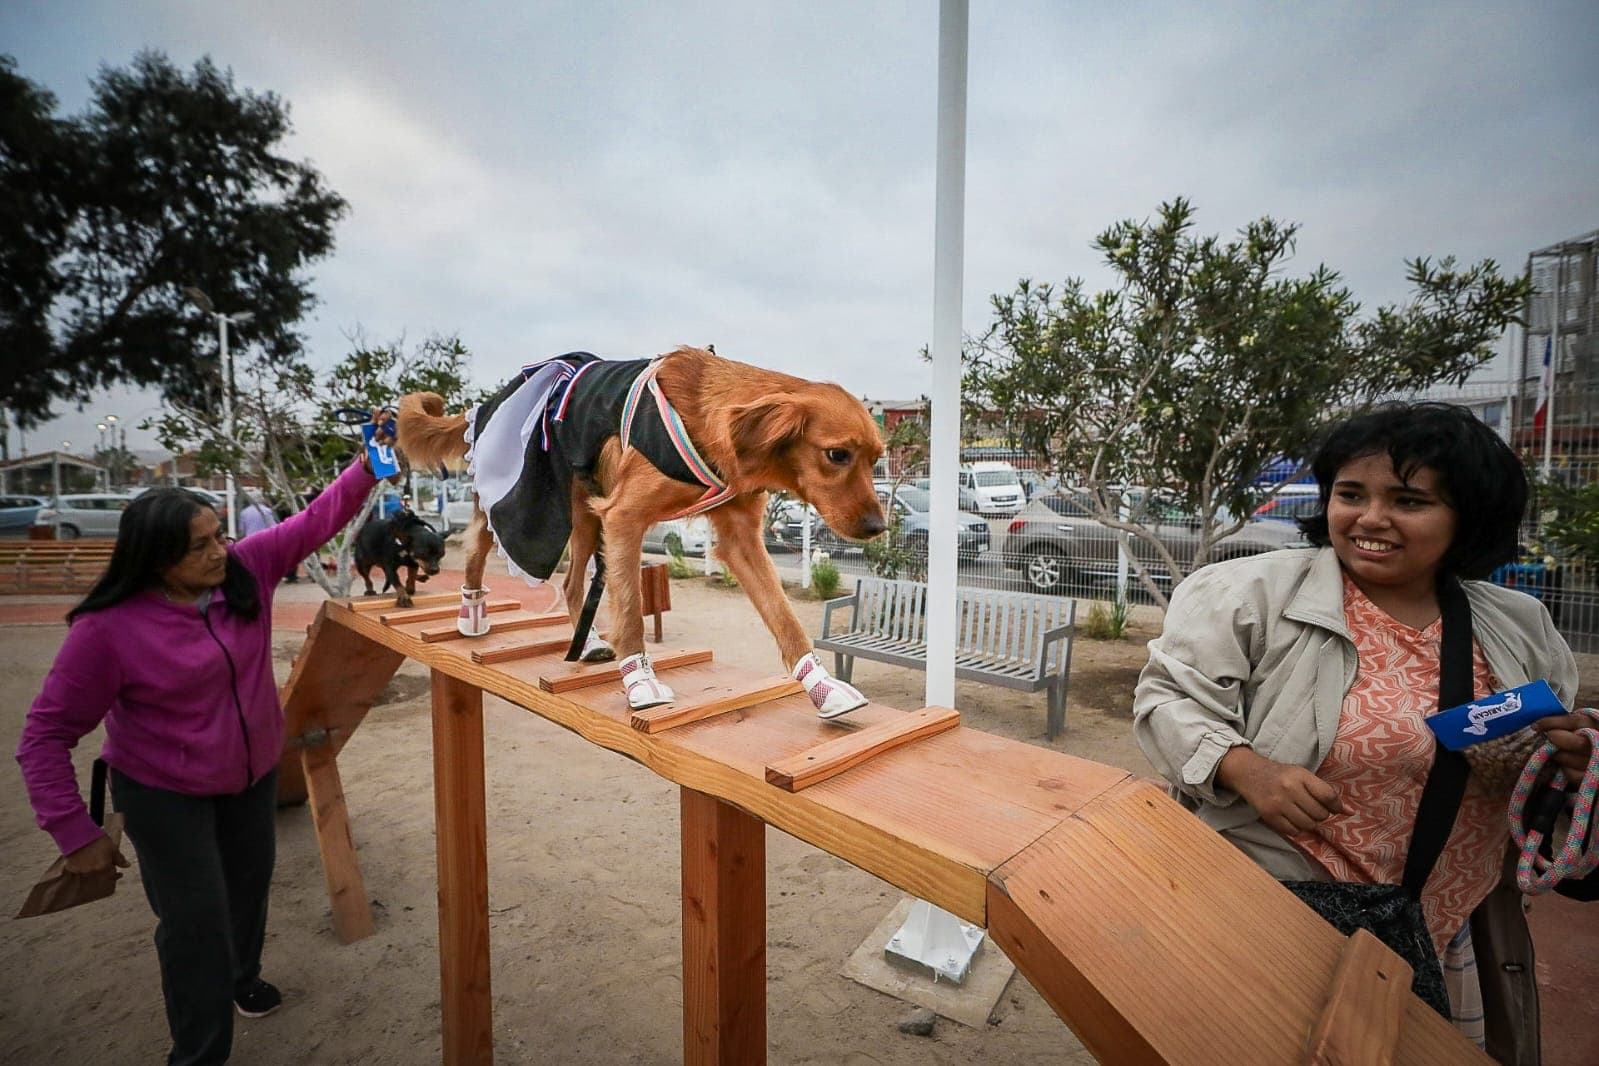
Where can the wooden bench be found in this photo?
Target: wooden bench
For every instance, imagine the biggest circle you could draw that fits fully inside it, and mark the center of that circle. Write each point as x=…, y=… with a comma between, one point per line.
x=52, y=566
x=1016, y=640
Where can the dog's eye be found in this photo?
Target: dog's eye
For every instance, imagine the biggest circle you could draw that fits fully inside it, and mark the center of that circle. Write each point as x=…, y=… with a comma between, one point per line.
x=838, y=456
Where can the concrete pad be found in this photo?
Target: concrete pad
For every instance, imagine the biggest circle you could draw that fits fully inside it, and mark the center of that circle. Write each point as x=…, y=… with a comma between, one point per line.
x=970, y=1002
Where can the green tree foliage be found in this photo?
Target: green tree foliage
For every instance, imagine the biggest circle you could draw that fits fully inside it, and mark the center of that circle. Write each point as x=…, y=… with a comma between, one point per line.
x=1570, y=516
x=168, y=179
x=1207, y=361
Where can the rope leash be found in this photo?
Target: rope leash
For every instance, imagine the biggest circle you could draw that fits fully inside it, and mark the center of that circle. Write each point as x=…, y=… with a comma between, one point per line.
x=1534, y=873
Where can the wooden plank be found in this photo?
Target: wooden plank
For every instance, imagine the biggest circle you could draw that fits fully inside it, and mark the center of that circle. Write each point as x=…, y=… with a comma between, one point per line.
x=724, y=933
x=836, y=756
x=582, y=675
x=707, y=705
x=1360, y=1024
x=510, y=652
x=352, y=912
x=655, y=593
x=368, y=604
x=334, y=681
x=1125, y=908
x=461, y=825
x=501, y=624
x=443, y=610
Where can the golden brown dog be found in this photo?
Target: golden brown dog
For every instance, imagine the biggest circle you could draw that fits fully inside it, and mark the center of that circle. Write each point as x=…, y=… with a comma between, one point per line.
x=760, y=429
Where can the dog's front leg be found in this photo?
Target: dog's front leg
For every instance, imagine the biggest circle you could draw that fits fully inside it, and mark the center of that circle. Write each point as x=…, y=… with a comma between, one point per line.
x=739, y=545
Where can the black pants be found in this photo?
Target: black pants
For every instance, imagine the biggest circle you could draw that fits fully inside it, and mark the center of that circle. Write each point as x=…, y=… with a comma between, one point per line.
x=206, y=863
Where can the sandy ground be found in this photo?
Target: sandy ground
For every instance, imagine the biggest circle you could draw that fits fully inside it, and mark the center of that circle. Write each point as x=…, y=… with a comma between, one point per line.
x=584, y=898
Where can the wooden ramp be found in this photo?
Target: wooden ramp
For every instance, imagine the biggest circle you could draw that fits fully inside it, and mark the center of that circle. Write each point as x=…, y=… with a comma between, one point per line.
x=1152, y=938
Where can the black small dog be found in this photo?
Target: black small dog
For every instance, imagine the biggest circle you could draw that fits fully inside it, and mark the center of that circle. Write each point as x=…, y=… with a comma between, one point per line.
x=404, y=541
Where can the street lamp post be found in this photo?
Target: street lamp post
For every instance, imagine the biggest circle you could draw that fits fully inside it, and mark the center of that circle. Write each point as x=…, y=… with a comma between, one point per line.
x=116, y=455
x=100, y=457
x=203, y=302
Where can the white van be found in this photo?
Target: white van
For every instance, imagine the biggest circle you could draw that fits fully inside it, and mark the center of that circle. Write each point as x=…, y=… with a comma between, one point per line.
x=996, y=485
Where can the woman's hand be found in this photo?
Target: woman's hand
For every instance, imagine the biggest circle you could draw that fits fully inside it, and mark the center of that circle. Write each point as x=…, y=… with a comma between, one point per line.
x=1290, y=799
x=380, y=435
x=97, y=856
x=1572, y=749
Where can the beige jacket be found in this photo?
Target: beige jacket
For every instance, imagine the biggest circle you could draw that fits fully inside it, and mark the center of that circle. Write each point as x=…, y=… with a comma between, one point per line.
x=1255, y=651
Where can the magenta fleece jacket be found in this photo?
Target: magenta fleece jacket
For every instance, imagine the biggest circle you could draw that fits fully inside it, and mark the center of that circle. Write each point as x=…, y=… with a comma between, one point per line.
x=188, y=699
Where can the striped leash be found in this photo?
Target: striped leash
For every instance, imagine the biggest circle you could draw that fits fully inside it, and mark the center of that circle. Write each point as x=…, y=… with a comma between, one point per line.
x=1534, y=873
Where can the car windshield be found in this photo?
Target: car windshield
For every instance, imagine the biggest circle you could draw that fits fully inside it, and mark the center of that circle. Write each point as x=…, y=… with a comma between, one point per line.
x=1065, y=505
x=915, y=499
x=990, y=478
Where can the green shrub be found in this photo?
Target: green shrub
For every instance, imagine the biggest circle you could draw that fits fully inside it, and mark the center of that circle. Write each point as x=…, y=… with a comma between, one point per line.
x=674, y=546
x=678, y=567
x=1106, y=621
x=725, y=577
x=824, y=579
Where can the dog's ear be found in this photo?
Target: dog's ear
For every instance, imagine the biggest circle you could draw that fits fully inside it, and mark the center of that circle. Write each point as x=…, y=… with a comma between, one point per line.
x=760, y=428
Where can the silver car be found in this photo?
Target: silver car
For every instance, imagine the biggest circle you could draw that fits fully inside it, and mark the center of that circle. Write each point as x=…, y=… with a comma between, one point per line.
x=1056, y=542
x=91, y=514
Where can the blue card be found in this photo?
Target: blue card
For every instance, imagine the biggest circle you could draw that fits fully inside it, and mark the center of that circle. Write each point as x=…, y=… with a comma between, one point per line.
x=1494, y=716
x=382, y=455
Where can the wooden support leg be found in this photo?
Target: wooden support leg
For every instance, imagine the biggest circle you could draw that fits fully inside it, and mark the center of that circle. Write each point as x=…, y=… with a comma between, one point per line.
x=352, y=914
x=460, y=824
x=724, y=933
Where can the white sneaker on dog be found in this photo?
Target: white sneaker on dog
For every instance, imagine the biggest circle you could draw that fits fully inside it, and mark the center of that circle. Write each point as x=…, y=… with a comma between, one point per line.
x=596, y=650
x=830, y=696
x=642, y=687
x=473, y=620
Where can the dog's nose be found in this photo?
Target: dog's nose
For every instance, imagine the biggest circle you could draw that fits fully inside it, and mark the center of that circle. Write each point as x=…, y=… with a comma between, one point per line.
x=870, y=526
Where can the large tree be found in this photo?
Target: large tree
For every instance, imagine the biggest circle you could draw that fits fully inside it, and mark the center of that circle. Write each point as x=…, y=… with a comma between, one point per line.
x=1206, y=362
x=169, y=179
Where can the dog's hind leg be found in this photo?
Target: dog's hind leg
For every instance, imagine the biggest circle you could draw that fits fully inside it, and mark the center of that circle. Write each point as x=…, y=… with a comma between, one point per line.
x=739, y=545
x=585, y=542
x=473, y=619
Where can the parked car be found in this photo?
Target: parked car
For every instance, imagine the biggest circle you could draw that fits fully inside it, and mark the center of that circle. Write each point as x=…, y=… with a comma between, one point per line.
x=967, y=500
x=84, y=514
x=996, y=485
x=1057, y=542
x=694, y=533
x=912, y=505
x=1291, y=503
x=17, y=514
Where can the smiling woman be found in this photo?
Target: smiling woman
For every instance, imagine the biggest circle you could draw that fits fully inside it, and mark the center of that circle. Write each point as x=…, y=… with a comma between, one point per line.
x=1286, y=698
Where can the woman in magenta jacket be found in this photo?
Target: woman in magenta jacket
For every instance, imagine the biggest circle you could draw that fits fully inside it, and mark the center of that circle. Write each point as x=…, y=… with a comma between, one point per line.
x=172, y=649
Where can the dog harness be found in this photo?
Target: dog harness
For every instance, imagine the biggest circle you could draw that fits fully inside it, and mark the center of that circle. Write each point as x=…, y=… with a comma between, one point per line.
x=546, y=428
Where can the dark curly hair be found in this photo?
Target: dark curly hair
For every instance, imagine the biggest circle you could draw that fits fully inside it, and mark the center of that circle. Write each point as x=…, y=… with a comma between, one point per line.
x=1480, y=477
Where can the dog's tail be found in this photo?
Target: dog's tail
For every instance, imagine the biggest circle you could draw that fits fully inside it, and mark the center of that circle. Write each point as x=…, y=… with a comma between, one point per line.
x=427, y=435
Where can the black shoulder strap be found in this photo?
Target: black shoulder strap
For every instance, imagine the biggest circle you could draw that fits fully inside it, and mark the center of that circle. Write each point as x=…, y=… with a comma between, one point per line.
x=1446, y=782
x=97, y=792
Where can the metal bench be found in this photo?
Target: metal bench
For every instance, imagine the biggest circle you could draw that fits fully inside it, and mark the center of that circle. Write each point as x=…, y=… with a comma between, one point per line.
x=1016, y=640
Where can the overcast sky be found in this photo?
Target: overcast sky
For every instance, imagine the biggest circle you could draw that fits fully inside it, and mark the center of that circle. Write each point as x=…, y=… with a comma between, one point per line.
x=627, y=177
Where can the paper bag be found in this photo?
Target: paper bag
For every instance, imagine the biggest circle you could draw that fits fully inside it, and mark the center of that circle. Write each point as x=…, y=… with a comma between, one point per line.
x=57, y=890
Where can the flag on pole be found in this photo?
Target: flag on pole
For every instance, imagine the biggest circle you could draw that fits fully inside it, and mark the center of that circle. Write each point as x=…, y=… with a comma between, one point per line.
x=1546, y=385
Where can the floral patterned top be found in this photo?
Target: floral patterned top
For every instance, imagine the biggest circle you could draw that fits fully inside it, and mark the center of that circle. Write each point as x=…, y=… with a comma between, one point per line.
x=1380, y=759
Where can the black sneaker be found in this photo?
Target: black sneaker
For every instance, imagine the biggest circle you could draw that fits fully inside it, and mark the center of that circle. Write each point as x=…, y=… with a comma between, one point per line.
x=261, y=999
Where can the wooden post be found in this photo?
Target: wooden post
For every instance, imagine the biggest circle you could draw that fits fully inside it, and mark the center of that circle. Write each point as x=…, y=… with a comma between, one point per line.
x=655, y=587
x=460, y=824
x=352, y=915
x=724, y=933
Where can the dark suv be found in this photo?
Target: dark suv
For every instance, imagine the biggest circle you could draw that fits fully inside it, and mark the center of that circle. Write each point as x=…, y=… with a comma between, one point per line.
x=1056, y=541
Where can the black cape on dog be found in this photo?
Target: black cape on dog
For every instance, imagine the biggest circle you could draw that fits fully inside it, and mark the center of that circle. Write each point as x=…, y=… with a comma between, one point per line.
x=577, y=404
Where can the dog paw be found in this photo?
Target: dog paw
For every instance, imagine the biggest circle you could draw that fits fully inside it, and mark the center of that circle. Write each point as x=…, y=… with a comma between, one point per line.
x=596, y=650
x=643, y=688
x=830, y=696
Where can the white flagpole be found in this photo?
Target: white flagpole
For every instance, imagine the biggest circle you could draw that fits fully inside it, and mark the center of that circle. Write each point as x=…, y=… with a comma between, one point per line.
x=949, y=234
x=1554, y=362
